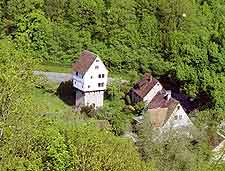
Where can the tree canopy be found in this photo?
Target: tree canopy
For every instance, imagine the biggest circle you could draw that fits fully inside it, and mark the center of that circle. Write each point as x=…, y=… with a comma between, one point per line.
x=182, y=40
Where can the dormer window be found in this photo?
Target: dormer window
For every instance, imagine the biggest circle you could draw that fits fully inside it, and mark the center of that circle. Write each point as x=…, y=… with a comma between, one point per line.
x=96, y=67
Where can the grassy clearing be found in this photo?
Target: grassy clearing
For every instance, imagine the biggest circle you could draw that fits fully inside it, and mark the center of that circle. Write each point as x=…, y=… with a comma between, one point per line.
x=50, y=105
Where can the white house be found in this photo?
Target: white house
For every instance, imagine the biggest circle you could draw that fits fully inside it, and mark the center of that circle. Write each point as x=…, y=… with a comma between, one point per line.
x=90, y=80
x=163, y=111
x=166, y=113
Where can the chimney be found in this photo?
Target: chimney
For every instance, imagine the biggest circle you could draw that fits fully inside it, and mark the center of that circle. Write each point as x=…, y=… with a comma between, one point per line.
x=148, y=77
x=168, y=95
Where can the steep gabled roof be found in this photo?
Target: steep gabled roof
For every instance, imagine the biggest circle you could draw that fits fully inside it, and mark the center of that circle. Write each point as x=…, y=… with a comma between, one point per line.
x=84, y=62
x=142, y=87
x=161, y=108
x=161, y=100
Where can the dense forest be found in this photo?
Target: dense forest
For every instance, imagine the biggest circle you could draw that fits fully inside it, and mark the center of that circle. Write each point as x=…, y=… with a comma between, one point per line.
x=182, y=40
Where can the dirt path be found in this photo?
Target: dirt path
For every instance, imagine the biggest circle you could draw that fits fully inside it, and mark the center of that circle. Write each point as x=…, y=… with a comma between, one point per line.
x=55, y=76
x=62, y=77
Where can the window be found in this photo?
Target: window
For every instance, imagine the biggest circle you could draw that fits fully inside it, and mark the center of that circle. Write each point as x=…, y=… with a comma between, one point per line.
x=89, y=86
x=100, y=84
x=180, y=117
x=96, y=67
x=76, y=73
x=175, y=117
x=91, y=77
x=97, y=60
x=101, y=75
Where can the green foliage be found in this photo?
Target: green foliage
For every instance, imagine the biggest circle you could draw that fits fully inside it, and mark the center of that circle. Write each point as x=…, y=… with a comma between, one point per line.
x=16, y=80
x=32, y=139
x=42, y=144
x=174, y=151
x=139, y=107
x=114, y=112
x=91, y=149
x=55, y=9
x=183, y=39
x=114, y=109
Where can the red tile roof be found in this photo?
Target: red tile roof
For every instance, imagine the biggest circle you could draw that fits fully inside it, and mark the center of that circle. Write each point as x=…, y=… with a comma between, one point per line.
x=161, y=101
x=85, y=61
x=142, y=87
x=161, y=108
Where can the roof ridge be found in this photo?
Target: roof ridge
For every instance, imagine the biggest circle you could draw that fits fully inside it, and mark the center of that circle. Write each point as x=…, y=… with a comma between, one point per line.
x=85, y=61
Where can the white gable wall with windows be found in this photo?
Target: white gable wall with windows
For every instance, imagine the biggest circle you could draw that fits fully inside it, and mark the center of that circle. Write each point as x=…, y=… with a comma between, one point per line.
x=95, y=79
x=178, y=119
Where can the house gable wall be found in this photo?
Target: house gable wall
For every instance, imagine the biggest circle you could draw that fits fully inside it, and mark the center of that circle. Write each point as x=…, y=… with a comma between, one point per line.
x=178, y=119
x=90, y=80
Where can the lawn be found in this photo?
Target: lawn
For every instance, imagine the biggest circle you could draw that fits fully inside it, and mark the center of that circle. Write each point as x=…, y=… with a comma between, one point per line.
x=50, y=105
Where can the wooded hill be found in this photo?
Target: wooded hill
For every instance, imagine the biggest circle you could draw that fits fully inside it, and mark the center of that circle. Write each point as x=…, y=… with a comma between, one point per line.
x=182, y=40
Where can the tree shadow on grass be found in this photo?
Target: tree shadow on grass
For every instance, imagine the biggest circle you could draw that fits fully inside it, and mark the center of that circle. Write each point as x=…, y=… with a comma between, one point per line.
x=66, y=92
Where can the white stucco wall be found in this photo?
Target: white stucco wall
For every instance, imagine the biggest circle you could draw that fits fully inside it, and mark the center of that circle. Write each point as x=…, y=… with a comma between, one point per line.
x=78, y=81
x=148, y=98
x=91, y=79
x=94, y=98
x=181, y=121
